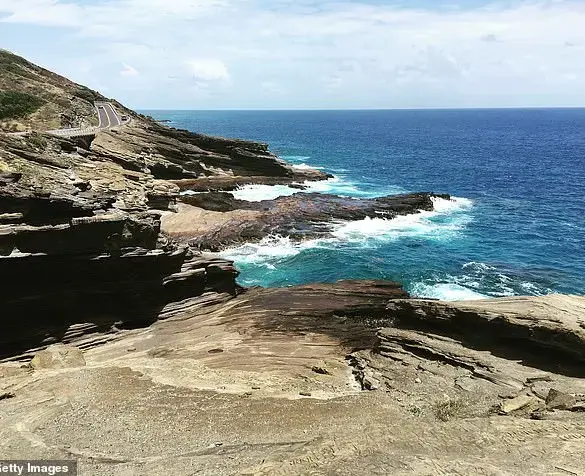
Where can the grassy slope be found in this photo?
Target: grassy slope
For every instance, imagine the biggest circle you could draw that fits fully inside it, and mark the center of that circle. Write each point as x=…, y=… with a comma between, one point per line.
x=58, y=102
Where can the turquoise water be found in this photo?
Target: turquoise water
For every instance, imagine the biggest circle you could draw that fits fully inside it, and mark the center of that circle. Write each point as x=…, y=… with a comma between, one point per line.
x=517, y=225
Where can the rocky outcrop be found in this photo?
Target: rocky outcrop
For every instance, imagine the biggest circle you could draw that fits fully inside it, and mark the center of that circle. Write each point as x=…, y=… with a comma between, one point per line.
x=80, y=240
x=80, y=234
x=519, y=356
x=95, y=275
x=301, y=216
x=194, y=161
x=545, y=326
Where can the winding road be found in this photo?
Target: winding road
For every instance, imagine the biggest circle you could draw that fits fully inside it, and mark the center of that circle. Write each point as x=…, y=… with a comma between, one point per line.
x=107, y=115
x=108, y=118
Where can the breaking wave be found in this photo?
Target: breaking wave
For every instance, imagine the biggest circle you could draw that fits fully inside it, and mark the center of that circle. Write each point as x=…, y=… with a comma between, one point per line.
x=443, y=223
x=335, y=186
x=432, y=225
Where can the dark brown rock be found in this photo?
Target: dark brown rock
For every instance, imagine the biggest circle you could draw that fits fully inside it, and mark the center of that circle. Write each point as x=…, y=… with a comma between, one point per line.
x=557, y=400
x=300, y=216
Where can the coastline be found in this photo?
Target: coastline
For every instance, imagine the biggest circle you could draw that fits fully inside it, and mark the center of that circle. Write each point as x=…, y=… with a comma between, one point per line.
x=127, y=346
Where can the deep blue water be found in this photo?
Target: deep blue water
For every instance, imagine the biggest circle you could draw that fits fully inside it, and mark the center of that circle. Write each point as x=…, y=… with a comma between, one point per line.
x=518, y=226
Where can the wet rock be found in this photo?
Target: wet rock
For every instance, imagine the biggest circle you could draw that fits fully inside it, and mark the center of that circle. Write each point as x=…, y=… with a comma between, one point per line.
x=300, y=216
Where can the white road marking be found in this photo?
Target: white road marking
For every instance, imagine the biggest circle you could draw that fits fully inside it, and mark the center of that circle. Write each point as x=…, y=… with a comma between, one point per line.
x=108, y=111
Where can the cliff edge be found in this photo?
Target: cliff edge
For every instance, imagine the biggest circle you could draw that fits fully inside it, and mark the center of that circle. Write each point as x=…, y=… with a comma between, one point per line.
x=126, y=346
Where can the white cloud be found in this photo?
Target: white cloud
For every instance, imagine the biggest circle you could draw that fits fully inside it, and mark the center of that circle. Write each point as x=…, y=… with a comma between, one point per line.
x=206, y=69
x=129, y=71
x=326, y=53
x=41, y=12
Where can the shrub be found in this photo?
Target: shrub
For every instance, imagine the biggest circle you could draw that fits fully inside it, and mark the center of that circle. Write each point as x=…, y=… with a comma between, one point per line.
x=15, y=105
x=38, y=141
x=447, y=409
x=86, y=94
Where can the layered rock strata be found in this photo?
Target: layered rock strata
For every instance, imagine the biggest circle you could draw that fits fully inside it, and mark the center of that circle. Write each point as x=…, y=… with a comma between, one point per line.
x=81, y=250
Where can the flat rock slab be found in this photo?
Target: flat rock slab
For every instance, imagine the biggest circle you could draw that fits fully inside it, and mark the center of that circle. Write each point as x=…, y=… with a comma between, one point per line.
x=165, y=400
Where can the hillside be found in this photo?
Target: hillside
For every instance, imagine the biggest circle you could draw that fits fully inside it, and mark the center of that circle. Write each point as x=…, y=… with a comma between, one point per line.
x=44, y=99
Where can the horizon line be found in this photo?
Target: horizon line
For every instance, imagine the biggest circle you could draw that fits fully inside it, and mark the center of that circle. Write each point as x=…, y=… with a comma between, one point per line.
x=471, y=108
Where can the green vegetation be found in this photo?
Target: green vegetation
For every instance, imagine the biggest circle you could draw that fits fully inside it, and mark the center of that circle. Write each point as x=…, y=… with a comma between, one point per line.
x=37, y=141
x=10, y=63
x=86, y=94
x=16, y=105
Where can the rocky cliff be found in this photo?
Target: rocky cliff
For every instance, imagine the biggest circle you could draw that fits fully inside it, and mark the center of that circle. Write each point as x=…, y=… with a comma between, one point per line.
x=80, y=220
x=171, y=368
x=80, y=241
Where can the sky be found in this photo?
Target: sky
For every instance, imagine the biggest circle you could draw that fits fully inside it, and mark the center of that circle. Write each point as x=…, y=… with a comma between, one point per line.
x=309, y=54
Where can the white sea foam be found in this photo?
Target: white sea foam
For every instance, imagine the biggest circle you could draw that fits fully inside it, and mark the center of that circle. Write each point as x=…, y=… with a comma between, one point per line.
x=423, y=224
x=340, y=186
x=270, y=249
x=190, y=192
x=295, y=157
x=442, y=205
x=257, y=193
x=481, y=275
x=335, y=185
x=275, y=248
x=474, y=265
x=445, y=292
x=304, y=166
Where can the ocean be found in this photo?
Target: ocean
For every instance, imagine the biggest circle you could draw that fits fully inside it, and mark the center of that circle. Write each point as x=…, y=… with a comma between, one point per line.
x=516, y=225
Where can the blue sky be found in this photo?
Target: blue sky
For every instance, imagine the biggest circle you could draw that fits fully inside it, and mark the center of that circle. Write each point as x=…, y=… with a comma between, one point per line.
x=215, y=54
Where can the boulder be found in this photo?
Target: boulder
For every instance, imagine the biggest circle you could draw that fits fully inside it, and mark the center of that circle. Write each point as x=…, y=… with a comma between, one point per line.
x=58, y=357
x=557, y=400
x=518, y=403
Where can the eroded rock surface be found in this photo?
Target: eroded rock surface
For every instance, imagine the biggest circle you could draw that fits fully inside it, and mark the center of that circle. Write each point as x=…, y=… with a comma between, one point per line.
x=300, y=216
x=80, y=236
x=172, y=368
x=231, y=388
x=552, y=323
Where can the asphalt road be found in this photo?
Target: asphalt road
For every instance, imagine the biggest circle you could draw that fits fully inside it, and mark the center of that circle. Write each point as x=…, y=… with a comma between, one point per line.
x=108, y=118
x=107, y=115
